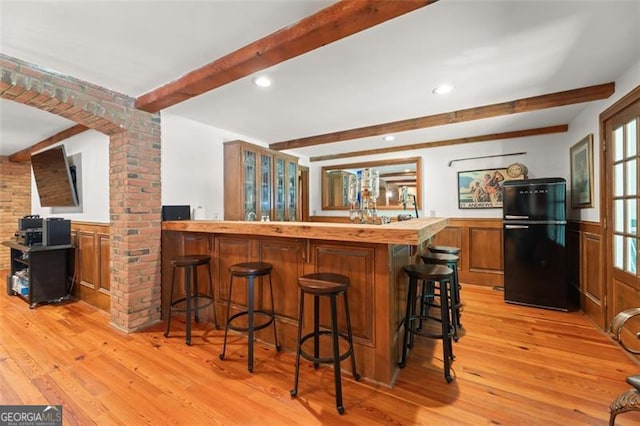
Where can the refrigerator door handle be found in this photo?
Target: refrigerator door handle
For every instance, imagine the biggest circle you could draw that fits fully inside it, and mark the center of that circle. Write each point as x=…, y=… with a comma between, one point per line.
x=516, y=226
x=511, y=216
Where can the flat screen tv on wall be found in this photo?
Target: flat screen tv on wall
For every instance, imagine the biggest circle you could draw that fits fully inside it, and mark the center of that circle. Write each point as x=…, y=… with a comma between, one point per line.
x=55, y=178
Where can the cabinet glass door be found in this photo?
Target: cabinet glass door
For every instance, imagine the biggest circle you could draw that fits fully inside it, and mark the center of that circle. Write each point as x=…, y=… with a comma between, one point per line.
x=265, y=185
x=250, y=185
x=292, y=177
x=280, y=189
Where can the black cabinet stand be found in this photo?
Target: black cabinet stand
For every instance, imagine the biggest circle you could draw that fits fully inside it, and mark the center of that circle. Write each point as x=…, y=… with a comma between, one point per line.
x=41, y=272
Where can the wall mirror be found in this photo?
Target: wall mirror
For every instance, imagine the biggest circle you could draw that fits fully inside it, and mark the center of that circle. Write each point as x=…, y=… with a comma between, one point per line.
x=394, y=175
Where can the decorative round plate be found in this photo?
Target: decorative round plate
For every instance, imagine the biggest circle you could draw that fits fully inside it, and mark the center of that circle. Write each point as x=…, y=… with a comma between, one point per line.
x=516, y=170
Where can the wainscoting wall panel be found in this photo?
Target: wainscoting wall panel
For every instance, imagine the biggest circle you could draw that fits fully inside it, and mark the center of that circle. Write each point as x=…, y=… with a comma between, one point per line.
x=91, y=268
x=481, y=260
x=485, y=250
x=586, y=272
x=593, y=288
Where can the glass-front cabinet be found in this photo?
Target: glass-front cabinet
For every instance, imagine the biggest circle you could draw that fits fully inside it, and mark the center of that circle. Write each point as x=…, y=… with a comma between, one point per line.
x=259, y=183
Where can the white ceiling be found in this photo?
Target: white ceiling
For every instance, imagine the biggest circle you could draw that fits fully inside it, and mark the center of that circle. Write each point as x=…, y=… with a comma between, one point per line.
x=491, y=51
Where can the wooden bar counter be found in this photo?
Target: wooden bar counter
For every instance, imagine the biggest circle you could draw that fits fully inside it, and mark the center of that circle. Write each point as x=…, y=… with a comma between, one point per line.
x=372, y=256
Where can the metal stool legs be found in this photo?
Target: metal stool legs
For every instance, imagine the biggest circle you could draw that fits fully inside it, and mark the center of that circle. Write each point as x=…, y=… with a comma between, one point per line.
x=335, y=343
x=410, y=329
x=443, y=257
x=251, y=312
x=192, y=305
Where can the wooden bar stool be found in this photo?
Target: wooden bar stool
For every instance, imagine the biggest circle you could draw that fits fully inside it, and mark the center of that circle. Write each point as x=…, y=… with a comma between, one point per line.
x=455, y=306
x=250, y=271
x=192, y=295
x=431, y=274
x=329, y=285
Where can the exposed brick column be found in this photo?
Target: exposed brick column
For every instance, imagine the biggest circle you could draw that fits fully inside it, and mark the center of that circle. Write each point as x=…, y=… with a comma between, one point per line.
x=135, y=226
x=15, y=201
x=134, y=155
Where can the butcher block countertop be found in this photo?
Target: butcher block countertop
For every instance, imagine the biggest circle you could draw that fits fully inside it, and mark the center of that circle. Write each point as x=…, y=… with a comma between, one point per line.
x=411, y=232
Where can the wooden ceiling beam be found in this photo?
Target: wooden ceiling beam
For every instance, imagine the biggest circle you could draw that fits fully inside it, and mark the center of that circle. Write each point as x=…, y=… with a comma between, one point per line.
x=330, y=24
x=551, y=100
x=25, y=154
x=472, y=139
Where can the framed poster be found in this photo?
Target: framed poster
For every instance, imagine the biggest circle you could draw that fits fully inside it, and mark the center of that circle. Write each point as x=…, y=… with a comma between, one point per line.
x=482, y=189
x=581, y=155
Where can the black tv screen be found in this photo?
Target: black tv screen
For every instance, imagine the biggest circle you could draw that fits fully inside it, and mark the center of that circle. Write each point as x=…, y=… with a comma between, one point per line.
x=55, y=179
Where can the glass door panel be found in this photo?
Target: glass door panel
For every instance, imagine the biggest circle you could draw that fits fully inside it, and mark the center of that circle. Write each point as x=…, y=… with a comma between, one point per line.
x=630, y=264
x=265, y=186
x=280, y=189
x=618, y=252
x=250, y=185
x=632, y=131
x=625, y=197
x=293, y=179
x=618, y=179
x=618, y=141
x=618, y=215
x=632, y=206
x=631, y=177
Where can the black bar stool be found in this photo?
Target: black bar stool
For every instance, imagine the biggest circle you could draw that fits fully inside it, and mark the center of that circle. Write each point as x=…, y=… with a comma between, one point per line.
x=250, y=271
x=445, y=250
x=330, y=285
x=192, y=295
x=450, y=261
x=432, y=274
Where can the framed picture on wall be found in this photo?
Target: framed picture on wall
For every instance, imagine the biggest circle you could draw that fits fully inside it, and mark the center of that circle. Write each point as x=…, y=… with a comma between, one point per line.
x=482, y=189
x=581, y=155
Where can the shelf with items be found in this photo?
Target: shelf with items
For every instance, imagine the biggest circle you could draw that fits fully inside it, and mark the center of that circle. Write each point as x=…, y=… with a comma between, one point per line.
x=22, y=261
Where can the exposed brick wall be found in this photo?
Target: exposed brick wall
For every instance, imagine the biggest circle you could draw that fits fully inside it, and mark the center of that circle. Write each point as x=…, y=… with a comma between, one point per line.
x=134, y=155
x=15, y=201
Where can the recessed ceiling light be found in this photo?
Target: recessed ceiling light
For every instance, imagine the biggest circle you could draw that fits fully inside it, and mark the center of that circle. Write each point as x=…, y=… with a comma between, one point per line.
x=388, y=138
x=443, y=89
x=262, y=81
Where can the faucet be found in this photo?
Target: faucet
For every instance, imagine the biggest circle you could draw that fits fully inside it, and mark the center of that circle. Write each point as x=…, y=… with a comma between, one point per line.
x=251, y=216
x=415, y=204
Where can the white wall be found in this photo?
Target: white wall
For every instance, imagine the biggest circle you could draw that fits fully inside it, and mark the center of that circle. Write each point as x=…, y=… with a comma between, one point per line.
x=192, y=164
x=547, y=156
x=93, y=180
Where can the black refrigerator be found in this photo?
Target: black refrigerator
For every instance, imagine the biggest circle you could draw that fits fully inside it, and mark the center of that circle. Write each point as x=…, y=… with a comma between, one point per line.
x=535, y=259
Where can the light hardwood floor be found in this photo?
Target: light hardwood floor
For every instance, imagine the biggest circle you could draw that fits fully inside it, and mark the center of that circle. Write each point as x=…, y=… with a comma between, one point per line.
x=515, y=366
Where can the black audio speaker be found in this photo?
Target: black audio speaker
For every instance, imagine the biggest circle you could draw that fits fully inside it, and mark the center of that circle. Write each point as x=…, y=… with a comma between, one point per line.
x=29, y=222
x=176, y=212
x=56, y=232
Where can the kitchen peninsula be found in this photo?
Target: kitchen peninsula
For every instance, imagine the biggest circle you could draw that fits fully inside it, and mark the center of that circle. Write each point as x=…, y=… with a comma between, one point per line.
x=372, y=256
